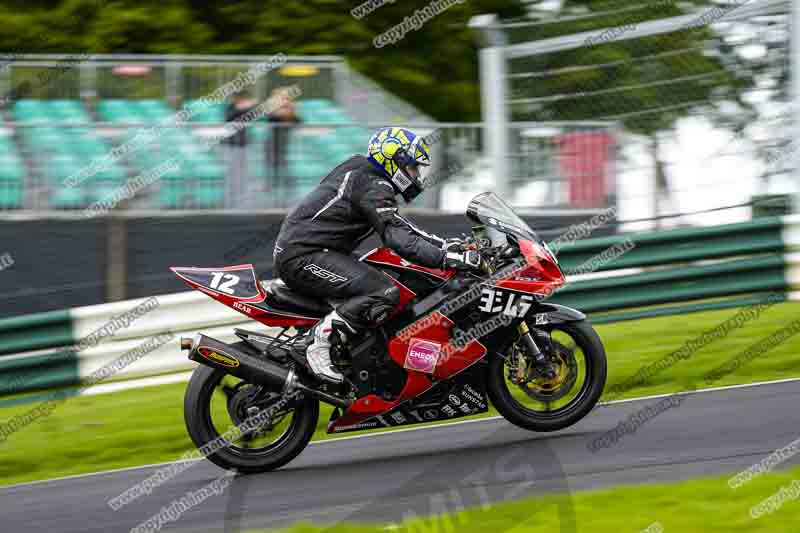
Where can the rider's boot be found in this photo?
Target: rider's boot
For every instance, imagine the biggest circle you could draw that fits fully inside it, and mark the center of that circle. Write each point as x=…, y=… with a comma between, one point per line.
x=318, y=354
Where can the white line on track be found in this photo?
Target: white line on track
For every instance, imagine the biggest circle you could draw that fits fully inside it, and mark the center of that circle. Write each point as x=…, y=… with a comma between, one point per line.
x=419, y=428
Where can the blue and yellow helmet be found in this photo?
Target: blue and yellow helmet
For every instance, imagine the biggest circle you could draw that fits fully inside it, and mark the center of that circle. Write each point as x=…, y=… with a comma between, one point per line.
x=393, y=150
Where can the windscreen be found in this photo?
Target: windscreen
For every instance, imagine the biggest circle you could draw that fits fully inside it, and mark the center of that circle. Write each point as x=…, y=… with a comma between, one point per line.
x=488, y=209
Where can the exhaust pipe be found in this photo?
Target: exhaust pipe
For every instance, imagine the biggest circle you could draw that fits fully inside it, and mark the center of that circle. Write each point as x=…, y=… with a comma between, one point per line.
x=217, y=354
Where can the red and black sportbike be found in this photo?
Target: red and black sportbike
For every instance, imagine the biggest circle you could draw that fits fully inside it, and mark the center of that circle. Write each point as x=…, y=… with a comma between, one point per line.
x=456, y=342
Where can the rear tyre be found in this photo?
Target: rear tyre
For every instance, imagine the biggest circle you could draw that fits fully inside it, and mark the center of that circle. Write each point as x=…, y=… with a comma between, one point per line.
x=203, y=422
x=573, y=400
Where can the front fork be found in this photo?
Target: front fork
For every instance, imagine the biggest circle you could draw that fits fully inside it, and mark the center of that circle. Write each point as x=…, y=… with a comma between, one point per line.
x=532, y=350
x=540, y=361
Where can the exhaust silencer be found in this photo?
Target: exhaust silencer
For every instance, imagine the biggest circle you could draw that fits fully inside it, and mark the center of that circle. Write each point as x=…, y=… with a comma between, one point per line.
x=217, y=354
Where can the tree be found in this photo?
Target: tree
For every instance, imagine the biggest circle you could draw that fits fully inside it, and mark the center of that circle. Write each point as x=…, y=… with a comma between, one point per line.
x=433, y=68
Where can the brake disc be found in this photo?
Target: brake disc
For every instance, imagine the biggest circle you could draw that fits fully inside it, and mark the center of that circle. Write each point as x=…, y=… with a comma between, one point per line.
x=550, y=390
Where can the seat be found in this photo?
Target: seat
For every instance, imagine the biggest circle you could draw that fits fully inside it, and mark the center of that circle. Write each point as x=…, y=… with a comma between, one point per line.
x=283, y=298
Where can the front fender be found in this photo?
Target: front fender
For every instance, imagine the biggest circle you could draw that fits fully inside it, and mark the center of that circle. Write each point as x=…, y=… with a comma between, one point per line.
x=547, y=313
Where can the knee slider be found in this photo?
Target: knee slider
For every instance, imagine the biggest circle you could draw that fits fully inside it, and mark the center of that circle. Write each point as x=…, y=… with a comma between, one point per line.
x=392, y=295
x=389, y=299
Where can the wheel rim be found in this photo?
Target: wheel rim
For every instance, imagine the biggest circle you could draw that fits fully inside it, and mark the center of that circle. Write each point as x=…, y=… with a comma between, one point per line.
x=231, y=401
x=537, y=397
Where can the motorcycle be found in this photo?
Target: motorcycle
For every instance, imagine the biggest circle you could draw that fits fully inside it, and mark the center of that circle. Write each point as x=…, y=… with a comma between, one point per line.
x=456, y=343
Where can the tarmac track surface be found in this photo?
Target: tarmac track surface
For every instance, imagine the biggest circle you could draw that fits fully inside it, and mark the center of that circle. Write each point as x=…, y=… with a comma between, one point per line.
x=385, y=477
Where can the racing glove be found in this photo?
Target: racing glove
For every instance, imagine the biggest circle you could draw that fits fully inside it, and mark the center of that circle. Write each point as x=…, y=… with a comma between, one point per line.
x=453, y=245
x=469, y=260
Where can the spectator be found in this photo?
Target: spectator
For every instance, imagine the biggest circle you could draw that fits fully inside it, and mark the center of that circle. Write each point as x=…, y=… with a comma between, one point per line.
x=283, y=116
x=236, y=149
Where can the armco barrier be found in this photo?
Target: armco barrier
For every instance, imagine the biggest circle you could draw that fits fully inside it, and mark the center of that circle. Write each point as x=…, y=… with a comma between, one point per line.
x=759, y=236
x=31, y=332
x=184, y=314
x=737, y=262
x=735, y=277
x=732, y=261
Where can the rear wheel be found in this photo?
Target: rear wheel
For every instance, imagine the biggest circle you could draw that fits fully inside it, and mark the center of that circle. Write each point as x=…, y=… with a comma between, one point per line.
x=532, y=402
x=216, y=403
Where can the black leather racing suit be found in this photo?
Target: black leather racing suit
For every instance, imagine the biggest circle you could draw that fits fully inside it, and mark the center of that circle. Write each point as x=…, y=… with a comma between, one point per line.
x=313, y=249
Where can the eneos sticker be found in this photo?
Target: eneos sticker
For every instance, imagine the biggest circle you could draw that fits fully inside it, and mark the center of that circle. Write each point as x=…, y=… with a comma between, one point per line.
x=422, y=356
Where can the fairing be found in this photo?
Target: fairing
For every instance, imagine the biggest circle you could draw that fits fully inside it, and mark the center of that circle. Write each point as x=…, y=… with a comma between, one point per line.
x=239, y=288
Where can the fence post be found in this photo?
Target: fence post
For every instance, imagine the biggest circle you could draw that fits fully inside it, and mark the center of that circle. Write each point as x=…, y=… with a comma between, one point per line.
x=116, y=257
x=494, y=89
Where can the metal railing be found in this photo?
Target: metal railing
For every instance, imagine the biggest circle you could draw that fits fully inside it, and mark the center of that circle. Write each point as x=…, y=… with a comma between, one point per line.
x=62, y=165
x=552, y=164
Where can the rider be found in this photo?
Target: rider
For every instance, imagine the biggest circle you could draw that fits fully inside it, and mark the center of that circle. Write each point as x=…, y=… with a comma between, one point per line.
x=313, y=249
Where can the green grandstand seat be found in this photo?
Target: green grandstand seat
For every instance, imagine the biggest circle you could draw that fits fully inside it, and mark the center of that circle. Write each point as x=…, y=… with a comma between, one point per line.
x=47, y=142
x=8, y=150
x=75, y=105
x=74, y=118
x=109, y=104
x=24, y=110
x=88, y=148
x=175, y=177
x=173, y=195
x=153, y=103
x=213, y=112
x=11, y=168
x=67, y=111
x=209, y=196
x=35, y=119
x=304, y=170
x=60, y=167
x=119, y=111
x=152, y=115
x=100, y=191
x=314, y=104
x=114, y=174
x=67, y=197
x=332, y=116
x=208, y=171
x=10, y=194
x=189, y=150
x=25, y=103
x=356, y=133
x=79, y=132
x=39, y=130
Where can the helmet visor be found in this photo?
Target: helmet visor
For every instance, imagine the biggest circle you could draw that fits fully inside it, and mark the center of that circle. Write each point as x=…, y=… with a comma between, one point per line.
x=418, y=172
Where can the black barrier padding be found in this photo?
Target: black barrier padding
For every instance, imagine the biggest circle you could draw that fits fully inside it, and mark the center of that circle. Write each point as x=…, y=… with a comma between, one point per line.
x=57, y=264
x=62, y=263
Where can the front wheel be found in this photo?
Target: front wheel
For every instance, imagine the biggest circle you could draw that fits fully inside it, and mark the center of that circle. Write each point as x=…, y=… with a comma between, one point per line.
x=219, y=405
x=532, y=402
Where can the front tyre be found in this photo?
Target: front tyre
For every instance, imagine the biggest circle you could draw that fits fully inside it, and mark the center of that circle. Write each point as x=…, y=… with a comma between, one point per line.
x=216, y=403
x=531, y=402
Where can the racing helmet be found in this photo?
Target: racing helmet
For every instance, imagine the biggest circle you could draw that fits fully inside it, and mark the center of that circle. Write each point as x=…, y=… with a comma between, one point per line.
x=401, y=156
